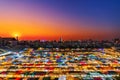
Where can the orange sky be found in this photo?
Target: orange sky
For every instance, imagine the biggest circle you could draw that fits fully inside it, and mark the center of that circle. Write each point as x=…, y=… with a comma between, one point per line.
x=32, y=29
x=43, y=22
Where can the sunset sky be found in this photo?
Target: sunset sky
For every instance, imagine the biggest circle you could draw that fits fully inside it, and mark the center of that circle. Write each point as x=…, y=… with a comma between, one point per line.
x=52, y=19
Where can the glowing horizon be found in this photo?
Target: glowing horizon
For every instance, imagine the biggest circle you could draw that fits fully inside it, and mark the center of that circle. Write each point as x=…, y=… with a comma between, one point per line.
x=34, y=19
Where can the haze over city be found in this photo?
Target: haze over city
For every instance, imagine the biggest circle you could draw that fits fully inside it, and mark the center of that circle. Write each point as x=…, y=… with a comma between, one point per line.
x=51, y=19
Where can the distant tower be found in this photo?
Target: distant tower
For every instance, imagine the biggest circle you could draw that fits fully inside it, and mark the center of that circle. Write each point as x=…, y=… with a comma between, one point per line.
x=17, y=38
x=61, y=40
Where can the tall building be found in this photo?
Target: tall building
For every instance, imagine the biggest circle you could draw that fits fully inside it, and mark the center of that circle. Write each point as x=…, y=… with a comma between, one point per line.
x=61, y=40
x=17, y=38
x=8, y=40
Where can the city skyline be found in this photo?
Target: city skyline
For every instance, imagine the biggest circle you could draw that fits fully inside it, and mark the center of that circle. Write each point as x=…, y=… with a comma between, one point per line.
x=51, y=19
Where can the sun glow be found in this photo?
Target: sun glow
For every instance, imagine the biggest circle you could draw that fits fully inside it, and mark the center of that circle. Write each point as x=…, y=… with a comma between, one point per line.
x=16, y=34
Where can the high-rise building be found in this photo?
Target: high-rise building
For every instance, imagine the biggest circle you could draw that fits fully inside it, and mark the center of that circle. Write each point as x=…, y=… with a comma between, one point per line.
x=61, y=40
